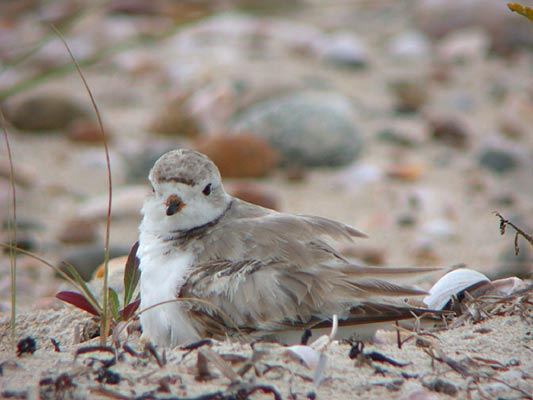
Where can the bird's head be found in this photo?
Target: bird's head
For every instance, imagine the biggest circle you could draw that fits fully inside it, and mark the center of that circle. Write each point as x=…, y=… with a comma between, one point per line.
x=187, y=192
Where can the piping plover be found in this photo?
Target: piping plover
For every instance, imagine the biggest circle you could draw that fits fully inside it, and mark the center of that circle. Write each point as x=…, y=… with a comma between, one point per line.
x=240, y=268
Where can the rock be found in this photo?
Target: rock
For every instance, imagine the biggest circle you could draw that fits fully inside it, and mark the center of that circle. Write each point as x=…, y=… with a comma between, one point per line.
x=175, y=118
x=256, y=194
x=516, y=116
x=410, y=95
x=86, y=131
x=86, y=259
x=44, y=112
x=498, y=160
x=449, y=131
x=77, y=230
x=343, y=50
x=409, y=172
x=23, y=175
x=140, y=158
x=441, y=386
x=507, y=31
x=308, y=128
x=239, y=156
x=409, y=45
x=438, y=228
x=464, y=45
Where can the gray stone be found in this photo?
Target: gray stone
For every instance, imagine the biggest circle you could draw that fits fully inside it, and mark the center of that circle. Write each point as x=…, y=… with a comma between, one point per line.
x=43, y=112
x=496, y=160
x=86, y=259
x=307, y=128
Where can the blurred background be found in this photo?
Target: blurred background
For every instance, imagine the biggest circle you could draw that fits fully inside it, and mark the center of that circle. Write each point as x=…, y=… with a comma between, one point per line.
x=410, y=120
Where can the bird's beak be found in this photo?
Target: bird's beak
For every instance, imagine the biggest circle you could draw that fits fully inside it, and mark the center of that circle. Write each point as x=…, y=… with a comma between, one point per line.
x=174, y=204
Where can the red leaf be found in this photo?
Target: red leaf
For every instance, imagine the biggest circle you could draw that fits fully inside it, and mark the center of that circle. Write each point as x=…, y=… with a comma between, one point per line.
x=77, y=300
x=130, y=309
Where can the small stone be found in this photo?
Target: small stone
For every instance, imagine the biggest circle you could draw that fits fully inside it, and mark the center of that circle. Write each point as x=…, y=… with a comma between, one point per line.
x=438, y=228
x=240, y=155
x=411, y=44
x=256, y=194
x=451, y=132
x=44, y=112
x=410, y=172
x=86, y=131
x=307, y=128
x=344, y=50
x=410, y=95
x=441, y=386
x=175, y=118
x=77, y=230
x=86, y=259
x=498, y=160
x=23, y=175
x=464, y=45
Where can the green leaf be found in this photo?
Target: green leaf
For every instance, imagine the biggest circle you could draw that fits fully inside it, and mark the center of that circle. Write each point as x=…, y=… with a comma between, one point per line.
x=114, y=304
x=131, y=274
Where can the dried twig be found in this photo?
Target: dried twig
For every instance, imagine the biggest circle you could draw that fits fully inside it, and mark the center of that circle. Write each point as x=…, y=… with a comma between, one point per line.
x=518, y=232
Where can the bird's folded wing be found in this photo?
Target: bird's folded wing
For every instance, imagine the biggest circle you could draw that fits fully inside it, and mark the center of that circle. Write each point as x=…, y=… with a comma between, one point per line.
x=271, y=295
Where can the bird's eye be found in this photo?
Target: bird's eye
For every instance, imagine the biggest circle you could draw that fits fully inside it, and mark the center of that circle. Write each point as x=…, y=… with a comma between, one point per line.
x=207, y=190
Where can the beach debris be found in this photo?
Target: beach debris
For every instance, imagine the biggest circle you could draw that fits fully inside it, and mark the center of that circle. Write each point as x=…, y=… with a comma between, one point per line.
x=314, y=356
x=453, y=286
x=26, y=346
x=357, y=353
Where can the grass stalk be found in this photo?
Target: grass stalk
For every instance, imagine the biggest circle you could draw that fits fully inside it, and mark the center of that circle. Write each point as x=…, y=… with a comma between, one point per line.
x=104, y=324
x=12, y=229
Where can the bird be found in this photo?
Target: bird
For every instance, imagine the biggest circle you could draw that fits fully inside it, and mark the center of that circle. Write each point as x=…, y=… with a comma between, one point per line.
x=214, y=266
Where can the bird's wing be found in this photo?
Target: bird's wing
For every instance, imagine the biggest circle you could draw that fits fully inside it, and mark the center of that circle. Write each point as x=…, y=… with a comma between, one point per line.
x=252, y=295
x=251, y=232
x=262, y=270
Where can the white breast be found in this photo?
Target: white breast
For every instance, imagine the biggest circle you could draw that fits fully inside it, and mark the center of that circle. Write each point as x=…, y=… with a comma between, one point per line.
x=162, y=274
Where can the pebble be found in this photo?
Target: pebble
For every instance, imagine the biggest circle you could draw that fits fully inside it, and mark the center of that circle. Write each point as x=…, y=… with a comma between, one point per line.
x=140, y=158
x=442, y=386
x=408, y=172
x=409, y=45
x=450, y=131
x=464, y=45
x=343, y=49
x=256, y=194
x=86, y=131
x=175, y=118
x=240, y=155
x=410, y=95
x=498, y=160
x=507, y=31
x=86, y=259
x=308, y=128
x=438, y=228
x=78, y=230
x=44, y=112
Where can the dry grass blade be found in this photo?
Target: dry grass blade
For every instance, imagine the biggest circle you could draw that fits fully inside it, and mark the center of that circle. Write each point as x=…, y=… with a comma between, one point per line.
x=104, y=329
x=12, y=228
x=221, y=365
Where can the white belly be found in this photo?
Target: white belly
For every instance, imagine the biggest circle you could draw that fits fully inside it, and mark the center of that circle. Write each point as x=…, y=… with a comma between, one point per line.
x=161, y=278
